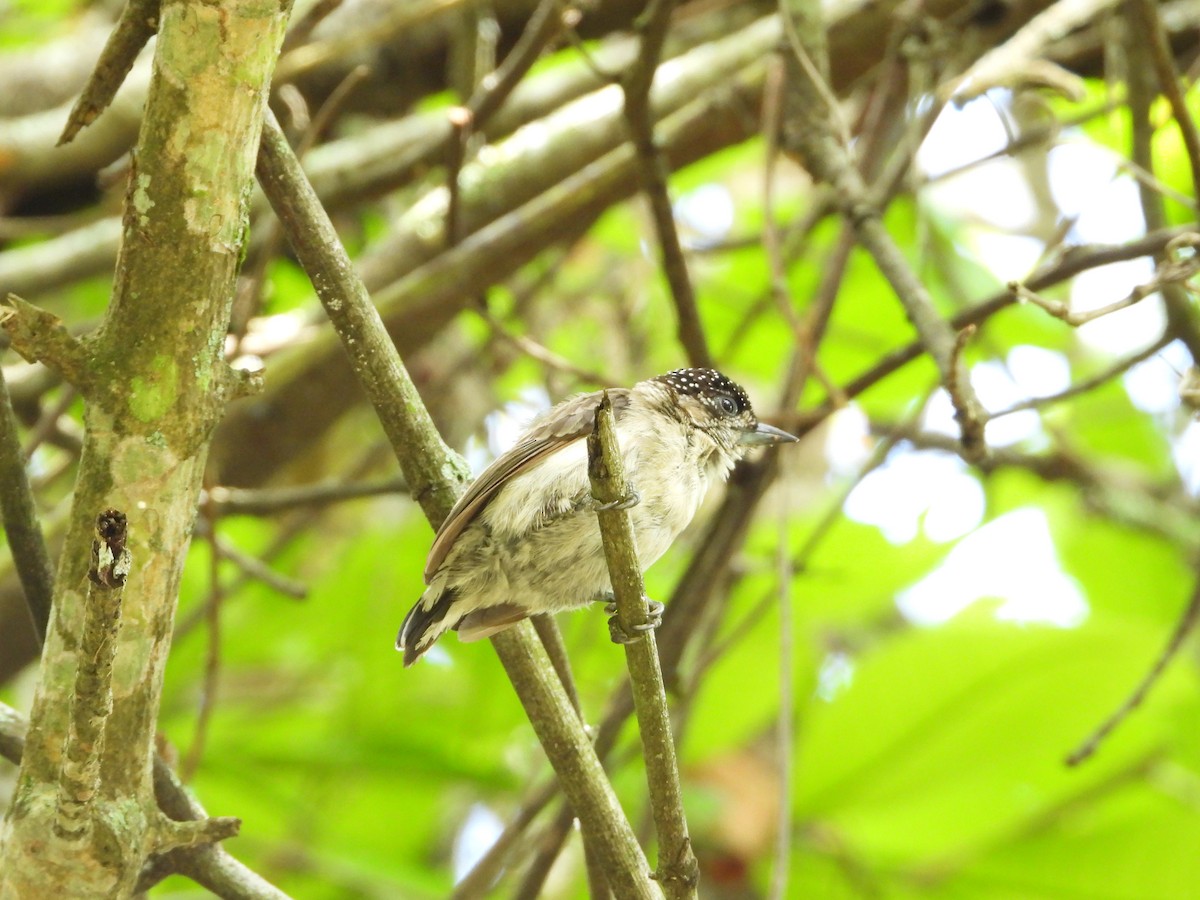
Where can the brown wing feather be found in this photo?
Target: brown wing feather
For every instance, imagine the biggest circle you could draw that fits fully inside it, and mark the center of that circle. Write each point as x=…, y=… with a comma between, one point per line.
x=569, y=421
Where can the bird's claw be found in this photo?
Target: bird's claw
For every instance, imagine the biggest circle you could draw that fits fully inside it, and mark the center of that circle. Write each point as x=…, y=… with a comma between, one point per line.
x=633, y=498
x=618, y=633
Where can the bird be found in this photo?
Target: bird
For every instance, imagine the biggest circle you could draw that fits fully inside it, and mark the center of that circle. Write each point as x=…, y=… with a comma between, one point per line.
x=524, y=538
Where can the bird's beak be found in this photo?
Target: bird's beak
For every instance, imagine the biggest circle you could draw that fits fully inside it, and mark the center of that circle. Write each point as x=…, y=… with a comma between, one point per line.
x=766, y=434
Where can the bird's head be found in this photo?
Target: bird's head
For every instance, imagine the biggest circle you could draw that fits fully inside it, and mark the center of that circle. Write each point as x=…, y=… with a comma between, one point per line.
x=712, y=403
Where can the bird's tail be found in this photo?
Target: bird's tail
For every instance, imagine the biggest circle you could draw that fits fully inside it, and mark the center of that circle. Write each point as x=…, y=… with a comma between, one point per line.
x=425, y=623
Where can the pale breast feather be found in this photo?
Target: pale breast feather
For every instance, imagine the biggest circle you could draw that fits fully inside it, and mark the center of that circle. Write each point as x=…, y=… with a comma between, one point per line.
x=569, y=421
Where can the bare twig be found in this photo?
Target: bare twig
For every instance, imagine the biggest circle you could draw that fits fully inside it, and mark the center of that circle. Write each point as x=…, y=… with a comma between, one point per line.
x=212, y=655
x=678, y=871
x=485, y=872
x=551, y=637
x=137, y=24
x=303, y=26
x=40, y=336
x=21, y=528
x=1174, y=269
x=1184, y=627
x=811, y=132
x=1070, y=264
x=652, y=172
x=229, y=501
x=1086, y=385
x=785, y=727
x=1009, y=63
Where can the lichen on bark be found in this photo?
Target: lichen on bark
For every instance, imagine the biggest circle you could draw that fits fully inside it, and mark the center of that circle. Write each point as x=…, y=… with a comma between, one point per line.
x=151, y=383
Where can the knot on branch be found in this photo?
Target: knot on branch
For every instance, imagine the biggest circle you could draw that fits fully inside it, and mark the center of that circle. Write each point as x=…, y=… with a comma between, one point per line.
x=110, y=560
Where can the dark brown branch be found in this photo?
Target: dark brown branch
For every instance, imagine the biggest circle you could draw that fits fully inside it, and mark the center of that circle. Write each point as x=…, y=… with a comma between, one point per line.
x=21, y=528
x=652, y=172
x=1184, y=627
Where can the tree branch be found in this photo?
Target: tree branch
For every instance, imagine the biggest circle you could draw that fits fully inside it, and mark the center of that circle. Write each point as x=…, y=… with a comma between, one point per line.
x=92, y=700
x=21, y=528
x=436, y=476
x=137, y=24
x=678, y=872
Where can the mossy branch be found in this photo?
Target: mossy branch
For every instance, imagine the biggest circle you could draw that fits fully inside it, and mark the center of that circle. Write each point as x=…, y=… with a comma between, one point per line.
x=92, y=701
x=678, y=871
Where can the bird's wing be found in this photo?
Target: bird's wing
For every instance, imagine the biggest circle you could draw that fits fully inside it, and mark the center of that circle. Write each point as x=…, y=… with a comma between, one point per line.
x=568, y=422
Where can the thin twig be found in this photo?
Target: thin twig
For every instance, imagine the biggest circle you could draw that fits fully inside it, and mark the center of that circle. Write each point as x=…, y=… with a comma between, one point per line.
x=229, y=501
x=811, y=132
x=1174, y=269
x=1184, y=627
x=547, y=628
x=652, y=172
x=489, y=866
x=678, y=871
x=1181, y=317
x=47, y=423
x=1159, y=49
x=25, y=540
x=212, y=656
x=303, y=27
x=785, y=727
x=1087, y=385
x=1070, y=264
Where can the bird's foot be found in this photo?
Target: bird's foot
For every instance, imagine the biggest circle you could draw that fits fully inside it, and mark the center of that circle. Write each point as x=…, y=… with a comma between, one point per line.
x=633, y=498
x=654, y=614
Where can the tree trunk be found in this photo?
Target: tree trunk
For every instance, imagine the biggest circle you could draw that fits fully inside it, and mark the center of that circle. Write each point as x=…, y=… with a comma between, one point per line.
x=155, y=384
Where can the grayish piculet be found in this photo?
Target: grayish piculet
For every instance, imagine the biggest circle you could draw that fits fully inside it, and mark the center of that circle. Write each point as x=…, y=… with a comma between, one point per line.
x=524, y=538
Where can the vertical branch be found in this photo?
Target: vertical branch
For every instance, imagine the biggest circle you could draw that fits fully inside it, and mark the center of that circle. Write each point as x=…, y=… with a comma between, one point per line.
x=652, y=171
x=154, y=383
x=92, y=702
x=678, y=871
x=1143, y=60
x=25, y=540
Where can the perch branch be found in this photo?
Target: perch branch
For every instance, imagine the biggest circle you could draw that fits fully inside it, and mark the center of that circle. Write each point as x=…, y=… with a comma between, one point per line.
x=436, y=476
x=678, y=871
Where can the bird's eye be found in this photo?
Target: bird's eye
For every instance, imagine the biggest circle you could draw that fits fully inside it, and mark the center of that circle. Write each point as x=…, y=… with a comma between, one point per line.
x=728, y=405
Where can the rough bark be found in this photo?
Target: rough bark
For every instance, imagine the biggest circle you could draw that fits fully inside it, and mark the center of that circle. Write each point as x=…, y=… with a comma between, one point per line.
x=155, y=384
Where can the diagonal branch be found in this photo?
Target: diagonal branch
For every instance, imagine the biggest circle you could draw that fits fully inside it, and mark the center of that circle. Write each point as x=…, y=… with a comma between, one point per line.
x=812, y=133
x=137, y=24
x=436, y=476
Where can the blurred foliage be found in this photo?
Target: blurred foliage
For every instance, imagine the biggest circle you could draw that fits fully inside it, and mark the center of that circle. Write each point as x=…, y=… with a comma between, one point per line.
x=927, y=759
